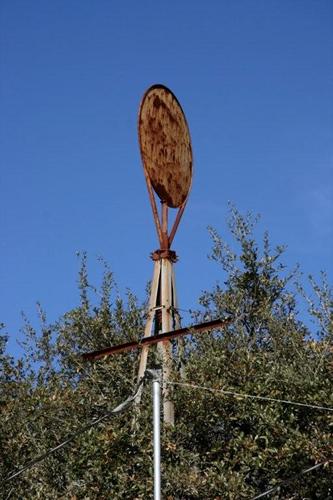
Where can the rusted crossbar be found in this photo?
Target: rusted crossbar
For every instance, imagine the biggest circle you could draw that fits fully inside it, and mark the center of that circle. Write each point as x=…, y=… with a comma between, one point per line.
x=154, y=339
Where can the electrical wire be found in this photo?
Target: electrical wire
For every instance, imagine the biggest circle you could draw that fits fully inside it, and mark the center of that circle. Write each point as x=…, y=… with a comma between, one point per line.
x=291, y=480
x=120, y=408
x=264, y=398
x=250, y=396
x=190, y=311
x=172, y=308
x=9, y=494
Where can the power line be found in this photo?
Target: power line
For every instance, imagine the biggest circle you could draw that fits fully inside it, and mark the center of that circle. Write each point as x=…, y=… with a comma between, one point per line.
x=288, y=481
x=120, y=408
x=9, y=494
x=190, y=311
x=264, y=398
x=251, y=396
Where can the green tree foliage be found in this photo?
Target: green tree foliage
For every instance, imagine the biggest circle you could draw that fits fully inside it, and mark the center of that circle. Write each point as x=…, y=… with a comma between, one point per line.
x=223, y=445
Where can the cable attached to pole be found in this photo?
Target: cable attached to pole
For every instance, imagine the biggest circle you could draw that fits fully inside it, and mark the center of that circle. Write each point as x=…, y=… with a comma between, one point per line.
x=119, y=409
x=268, y=399
x=251, y=396
x=289, y=481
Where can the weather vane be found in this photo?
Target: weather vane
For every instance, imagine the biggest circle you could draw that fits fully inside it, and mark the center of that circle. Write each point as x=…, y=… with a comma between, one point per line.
x=166, y=153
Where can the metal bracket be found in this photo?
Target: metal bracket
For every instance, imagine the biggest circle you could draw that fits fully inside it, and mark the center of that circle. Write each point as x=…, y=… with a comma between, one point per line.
x=153, y=373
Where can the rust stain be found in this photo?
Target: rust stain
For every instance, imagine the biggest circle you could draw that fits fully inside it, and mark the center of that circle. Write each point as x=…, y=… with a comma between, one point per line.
x=165, y=145
x=155, y=339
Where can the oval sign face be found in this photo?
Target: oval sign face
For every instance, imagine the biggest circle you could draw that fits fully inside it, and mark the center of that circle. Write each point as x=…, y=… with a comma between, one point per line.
x=165, y=145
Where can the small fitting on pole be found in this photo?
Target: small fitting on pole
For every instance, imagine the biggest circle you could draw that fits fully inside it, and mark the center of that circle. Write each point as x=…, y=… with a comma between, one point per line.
x=164, y=254
x=154, y=373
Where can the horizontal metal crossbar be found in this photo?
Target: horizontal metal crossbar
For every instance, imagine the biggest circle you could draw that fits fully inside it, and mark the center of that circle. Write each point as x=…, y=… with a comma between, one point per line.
x=154, y=339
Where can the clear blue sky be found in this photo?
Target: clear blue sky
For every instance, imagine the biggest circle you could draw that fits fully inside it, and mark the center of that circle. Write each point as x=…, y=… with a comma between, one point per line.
x=255, y=80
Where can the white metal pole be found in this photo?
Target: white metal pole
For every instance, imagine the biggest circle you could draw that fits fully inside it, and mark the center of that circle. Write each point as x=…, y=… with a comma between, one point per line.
x=157, y=434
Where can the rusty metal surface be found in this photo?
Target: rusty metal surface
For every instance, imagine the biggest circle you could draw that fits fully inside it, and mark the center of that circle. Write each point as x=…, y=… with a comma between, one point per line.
x=164, y=254
x=154, y=339
x=165, y=145
x=176, y=223
x=154, y=209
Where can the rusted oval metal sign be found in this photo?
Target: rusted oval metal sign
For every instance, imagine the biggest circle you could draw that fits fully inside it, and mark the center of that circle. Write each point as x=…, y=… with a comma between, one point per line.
x=165, y=145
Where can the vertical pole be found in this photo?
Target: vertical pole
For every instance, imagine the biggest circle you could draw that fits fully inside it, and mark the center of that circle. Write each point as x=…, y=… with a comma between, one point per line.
x=177, y=323
x=149, y=323
x=166, y=292
x=157, y=434
x=176, y=316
